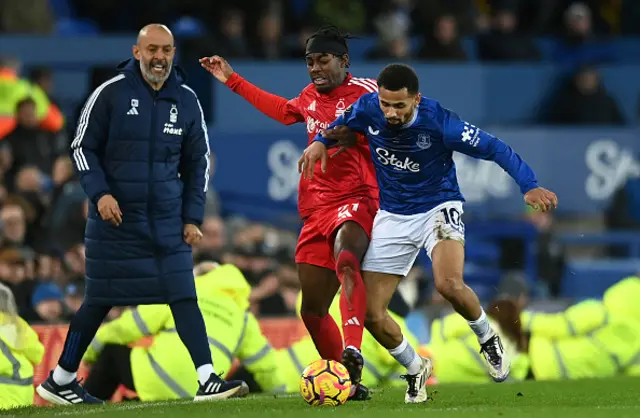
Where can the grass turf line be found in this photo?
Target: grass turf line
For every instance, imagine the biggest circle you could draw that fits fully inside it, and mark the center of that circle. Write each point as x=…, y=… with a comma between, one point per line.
x=595, y=398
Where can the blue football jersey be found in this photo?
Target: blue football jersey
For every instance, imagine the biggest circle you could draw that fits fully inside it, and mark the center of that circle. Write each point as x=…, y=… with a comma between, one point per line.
x=414, y=162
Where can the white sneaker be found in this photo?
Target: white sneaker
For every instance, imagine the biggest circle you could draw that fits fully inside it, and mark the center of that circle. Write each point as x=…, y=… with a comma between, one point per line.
x=497, y=359
x=417, y=383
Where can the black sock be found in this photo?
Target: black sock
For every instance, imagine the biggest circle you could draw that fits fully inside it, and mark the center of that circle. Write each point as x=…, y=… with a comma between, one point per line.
x=82, y=330
x=192, y=330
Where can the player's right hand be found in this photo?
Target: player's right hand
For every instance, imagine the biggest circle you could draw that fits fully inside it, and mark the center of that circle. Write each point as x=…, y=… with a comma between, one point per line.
x=341, y=134
x=314, y=152
x=218, y=67
x=109, y=210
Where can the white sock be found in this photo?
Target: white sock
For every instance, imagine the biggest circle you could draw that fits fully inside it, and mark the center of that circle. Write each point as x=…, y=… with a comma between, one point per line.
x=63, y=377
x=407, y=356
x=204, y=373
x=482, y=328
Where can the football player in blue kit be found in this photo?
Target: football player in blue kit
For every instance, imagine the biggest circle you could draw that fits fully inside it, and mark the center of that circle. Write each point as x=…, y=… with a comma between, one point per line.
x=412, y=139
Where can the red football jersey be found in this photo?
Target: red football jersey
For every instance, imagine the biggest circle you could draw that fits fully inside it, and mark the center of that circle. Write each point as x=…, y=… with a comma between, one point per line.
x=350, y=174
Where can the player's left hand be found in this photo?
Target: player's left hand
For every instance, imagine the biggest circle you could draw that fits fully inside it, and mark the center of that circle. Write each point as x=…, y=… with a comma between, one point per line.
x=541, y=199
x=314, y=152
x=192, y=234
x=344, y=136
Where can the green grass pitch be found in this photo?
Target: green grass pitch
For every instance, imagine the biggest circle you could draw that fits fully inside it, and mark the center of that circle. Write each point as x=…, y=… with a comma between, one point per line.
x=606, y=398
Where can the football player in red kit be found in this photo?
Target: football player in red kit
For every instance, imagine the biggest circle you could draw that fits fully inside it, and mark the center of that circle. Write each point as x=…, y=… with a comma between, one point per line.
x=337, y=206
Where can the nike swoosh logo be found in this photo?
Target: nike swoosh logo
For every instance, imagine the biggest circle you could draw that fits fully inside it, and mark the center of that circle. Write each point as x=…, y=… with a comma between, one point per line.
x=372, y=132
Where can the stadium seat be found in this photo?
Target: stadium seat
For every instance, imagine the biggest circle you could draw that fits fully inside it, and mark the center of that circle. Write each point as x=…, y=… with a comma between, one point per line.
x=61, y=9
x=584, y=279
x=187, y=27
x=74, y=27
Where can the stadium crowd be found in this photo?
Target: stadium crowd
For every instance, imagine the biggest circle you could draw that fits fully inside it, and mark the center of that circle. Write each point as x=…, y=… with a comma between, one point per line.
x=43, y=209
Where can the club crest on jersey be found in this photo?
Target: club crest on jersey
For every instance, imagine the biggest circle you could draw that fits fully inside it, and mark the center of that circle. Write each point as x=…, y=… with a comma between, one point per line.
x=340, y=107
x=173, y=114
x=424, y=141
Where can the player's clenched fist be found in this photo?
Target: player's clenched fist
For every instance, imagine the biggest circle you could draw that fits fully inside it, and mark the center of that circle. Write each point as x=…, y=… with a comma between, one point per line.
x=218, y=67
x=192, y=234
x=109, y=210
x=541, y=199
x=314, y=152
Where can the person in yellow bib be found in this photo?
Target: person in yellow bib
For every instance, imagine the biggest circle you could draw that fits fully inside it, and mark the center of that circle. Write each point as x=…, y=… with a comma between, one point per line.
x=162, y=371
x=14, y=89
x=456, y=353
x=20, y=352
x=590, y=339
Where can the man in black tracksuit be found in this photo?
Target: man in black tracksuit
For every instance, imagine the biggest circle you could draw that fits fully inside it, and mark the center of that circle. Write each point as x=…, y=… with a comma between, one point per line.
x=141, y=152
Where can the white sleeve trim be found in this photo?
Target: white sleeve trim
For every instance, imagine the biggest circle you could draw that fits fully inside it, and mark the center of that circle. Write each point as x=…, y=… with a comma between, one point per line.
x=76, y=145
x=203, y=124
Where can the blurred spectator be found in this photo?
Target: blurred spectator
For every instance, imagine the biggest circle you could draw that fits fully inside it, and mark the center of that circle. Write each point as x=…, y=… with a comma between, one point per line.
x=232, y=35
x=214, y=237
x=398, y=48
x=14, y=226
x=48, y=302
x=30, y=146
x=579, y=46
x=443, y=42
x=289, y=284
x=270, y=45
x=14, y=90
x=349, y=16
x=26, y=17
x=623, y=213
x=583, y=100
x=261, y=273
x=465, y=13
x=50, y=117
x=551, y=257
x=13, y=275
x=297, y=52
x=74, y=260
x=502, y=42
x=393, y=27
x=67, y=222
x=74, y=295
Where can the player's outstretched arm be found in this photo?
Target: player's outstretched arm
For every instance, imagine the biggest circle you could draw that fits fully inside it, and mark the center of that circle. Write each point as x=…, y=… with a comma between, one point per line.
x=468, y=139
x=279, y=108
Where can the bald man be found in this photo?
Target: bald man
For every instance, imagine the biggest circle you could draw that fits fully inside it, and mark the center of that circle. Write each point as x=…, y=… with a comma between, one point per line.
x=141, y=153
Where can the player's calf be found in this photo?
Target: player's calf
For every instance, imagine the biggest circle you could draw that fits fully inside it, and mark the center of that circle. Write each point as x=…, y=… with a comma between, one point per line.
x=353, y=298
x=448, y=260
x=319, y=286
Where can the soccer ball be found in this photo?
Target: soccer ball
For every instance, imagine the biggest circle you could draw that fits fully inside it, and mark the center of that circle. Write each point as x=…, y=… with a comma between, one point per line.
x=325, y=383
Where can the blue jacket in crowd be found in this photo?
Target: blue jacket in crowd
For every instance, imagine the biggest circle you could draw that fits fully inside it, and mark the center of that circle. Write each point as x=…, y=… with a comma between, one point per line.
x=150, y=151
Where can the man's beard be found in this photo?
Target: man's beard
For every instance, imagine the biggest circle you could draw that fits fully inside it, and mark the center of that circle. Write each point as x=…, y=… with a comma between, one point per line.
x=153, y=77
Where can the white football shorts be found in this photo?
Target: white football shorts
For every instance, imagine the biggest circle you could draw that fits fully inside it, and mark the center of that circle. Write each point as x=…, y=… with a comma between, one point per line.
x=396, y=240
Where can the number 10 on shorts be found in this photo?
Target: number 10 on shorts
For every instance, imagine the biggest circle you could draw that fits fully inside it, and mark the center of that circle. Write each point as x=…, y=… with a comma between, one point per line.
x=345, y=211
x=452, y=217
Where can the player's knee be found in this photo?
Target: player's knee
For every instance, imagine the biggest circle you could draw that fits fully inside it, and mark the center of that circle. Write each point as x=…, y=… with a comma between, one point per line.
x=375, y=318
x=313, y=307
x=449, y=286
